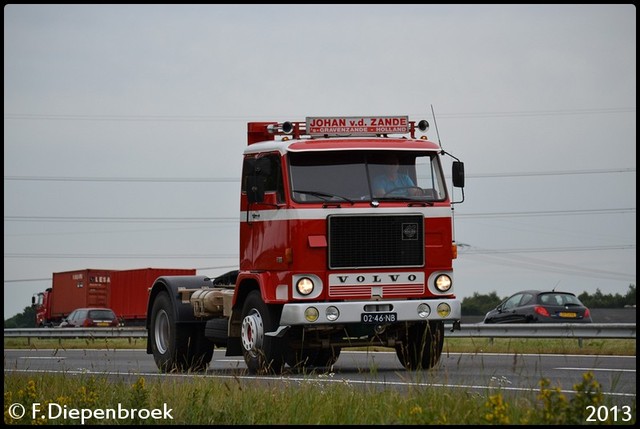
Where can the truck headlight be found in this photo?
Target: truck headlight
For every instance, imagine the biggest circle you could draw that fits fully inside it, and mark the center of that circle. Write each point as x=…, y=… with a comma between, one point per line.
x=332, y=313
x=444, y=310
x=443, y=283
x=304, y=286
x=311, y=314
x=424, y=310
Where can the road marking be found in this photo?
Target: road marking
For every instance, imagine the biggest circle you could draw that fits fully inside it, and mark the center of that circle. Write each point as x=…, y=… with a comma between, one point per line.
x=597, y=369
x=42, y=357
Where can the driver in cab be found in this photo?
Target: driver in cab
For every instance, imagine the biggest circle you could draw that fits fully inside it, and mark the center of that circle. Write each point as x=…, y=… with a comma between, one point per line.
x=392, y=182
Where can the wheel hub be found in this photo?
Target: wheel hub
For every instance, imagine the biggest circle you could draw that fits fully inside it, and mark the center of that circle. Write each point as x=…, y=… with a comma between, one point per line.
x=252, y=333
x=162, y=331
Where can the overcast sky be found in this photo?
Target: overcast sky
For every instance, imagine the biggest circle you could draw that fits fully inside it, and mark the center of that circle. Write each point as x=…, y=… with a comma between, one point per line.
x=124, y=127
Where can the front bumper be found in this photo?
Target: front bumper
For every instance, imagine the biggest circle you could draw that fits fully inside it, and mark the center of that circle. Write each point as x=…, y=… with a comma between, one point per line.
x=351, y=312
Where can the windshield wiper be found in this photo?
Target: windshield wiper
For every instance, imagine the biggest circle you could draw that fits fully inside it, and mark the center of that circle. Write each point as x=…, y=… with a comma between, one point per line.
x=325, y=196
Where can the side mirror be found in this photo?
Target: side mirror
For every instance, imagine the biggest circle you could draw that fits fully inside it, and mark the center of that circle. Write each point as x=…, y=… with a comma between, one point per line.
x=258, y=166
x=263, y=167
x=457, y=174
x=255, y=188
x=258, y=170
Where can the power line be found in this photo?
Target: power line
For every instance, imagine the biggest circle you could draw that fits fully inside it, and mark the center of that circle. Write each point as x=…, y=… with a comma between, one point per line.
x=115, y=256
x=546, y=213
x=227, y=118
x=236, y=180
x=119, y=219
x=595, y=111
x=214, y=219
x=472, y=251
x=51, y=278
x=553, y=173
x=28, y=280
x=504, y=257
x=467, y=251
x=125, y=118
x=513, y=258
x=124, y=179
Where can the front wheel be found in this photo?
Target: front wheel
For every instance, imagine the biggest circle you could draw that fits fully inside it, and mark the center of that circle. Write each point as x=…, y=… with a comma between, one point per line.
x=421, y=346
x=261, y=353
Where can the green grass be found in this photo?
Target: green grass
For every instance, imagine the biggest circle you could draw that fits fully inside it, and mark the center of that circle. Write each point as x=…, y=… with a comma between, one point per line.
x=75, y=343
x=589, y=346
x=233, y=402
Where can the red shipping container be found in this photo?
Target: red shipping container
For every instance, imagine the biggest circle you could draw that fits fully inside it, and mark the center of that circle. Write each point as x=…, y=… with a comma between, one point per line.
x=129, y=290
x=79, y=288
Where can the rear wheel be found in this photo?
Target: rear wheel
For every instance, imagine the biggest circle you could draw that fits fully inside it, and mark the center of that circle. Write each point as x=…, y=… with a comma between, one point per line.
x=309, y=357
x=324, y=357
x=421, y=346
x=262, y=353
x=176, y=348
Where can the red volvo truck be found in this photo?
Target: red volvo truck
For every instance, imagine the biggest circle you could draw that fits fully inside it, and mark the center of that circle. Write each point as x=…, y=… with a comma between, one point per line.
x=346, y=239
x=124, y=291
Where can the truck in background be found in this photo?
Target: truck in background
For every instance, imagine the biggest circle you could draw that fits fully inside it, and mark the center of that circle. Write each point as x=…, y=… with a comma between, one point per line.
x=124, y=291
x=327, y=260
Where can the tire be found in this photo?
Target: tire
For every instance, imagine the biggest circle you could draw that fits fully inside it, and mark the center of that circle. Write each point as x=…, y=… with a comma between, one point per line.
x=322, y=357
x=301, y=359
x=421, y=347
x=176, y=348
x=217, y=331
x=262, y=354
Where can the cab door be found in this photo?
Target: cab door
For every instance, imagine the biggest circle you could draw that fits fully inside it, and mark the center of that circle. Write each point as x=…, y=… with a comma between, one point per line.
x=263, y=227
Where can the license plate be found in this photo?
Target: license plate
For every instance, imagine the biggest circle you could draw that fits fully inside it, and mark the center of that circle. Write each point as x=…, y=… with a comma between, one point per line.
x=568, y=314
x=102, y=323
x=379, y=317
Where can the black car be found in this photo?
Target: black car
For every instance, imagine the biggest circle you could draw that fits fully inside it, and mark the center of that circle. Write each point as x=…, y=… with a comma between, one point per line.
x=91, y=318
x=535, y=306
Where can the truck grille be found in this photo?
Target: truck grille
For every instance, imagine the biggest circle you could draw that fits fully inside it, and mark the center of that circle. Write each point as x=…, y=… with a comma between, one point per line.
x=367, y=291
x=376, y=241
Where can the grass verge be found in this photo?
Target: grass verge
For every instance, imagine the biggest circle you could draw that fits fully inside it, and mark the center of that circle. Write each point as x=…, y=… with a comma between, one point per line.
x=87, y=399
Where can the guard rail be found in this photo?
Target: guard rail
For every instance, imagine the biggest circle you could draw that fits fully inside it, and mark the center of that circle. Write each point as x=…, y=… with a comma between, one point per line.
x=137, y=332
x=511, y=330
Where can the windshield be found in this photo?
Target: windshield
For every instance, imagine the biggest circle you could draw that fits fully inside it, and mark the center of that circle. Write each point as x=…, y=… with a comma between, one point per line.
x=349, y=176
x=558, y=299
x=102, y=314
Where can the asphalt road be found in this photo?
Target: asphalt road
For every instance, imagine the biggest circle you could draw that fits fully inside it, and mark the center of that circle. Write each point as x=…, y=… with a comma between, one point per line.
x=511, y=373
